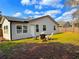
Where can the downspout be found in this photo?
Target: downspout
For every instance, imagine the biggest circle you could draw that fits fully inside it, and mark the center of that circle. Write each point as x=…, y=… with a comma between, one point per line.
x=11, y=30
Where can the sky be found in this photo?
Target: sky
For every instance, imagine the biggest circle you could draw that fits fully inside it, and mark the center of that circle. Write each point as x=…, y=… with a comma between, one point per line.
x=37, y=8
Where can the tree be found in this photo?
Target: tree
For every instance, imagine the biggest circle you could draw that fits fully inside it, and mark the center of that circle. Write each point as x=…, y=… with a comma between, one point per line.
x=61, y=23
x=72, y=3
x=67, y=24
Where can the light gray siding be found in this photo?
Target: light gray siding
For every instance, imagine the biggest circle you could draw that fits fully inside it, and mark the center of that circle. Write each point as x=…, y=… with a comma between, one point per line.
x=43, y=21
x=15, y=35
x=49, y=24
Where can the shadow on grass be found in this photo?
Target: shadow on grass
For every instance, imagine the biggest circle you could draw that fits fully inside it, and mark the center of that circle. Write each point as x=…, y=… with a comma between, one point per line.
x=53, y=50
x=59, y=33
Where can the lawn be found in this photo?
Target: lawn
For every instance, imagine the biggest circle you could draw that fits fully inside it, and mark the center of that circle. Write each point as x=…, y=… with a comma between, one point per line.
x=67, y=37
x=62, y=38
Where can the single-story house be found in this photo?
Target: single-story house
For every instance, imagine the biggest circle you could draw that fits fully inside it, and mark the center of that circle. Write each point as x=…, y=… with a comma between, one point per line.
x=16, y=28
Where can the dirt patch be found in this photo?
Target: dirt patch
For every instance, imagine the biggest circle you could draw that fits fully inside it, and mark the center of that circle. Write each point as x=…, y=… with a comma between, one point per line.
x=43, y=51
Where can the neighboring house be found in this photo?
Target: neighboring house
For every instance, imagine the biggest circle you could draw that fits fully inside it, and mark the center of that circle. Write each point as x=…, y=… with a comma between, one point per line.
x=67, y=25
x=17, y=28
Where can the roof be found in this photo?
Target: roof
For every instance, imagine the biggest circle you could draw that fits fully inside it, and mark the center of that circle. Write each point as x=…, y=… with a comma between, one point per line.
x=15, y=19
x=44, y=17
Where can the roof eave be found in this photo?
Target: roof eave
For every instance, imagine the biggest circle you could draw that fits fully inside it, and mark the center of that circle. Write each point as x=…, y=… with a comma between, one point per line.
x=19, y=21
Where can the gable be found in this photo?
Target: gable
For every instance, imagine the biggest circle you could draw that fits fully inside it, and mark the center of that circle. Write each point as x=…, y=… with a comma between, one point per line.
x=44, y=19
x=1, y=19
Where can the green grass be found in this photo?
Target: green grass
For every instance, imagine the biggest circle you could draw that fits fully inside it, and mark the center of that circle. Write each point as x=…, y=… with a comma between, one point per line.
x=68, y=37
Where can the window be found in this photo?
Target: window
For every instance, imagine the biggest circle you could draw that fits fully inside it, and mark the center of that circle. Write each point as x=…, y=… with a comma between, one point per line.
x=37, y=28
x=24, y=29
x=44, y=27
x=19, y=29
x=54, y=27
x=5, y=29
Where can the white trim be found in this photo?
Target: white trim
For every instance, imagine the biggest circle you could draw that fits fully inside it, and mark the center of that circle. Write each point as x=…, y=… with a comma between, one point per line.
x=25, y=29
x=16, y=29
x=22, y=29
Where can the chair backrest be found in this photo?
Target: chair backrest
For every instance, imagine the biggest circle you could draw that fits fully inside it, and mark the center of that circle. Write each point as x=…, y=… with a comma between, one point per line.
x=42, y=33
x=52, y=33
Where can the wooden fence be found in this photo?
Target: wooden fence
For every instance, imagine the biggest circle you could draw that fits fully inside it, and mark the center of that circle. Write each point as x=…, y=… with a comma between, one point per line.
x=69, y=29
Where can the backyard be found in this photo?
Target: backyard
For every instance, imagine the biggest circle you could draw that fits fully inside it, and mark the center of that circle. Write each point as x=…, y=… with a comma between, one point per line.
x=63, y=46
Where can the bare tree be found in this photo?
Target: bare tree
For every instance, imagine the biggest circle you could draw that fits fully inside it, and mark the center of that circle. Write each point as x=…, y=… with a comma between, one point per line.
x=72, y=3
x=61, y=23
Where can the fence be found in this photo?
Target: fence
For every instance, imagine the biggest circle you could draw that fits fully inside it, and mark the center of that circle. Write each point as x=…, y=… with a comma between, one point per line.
x=69, y=29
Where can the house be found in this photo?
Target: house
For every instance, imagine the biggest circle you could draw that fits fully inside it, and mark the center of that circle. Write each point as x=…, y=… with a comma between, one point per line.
x=16, y=28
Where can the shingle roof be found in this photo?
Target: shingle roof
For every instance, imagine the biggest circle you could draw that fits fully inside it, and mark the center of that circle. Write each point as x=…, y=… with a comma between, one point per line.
x=9, y=18
x=15, y=19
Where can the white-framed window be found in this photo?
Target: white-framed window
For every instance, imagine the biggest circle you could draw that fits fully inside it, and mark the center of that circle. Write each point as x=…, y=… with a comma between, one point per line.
x=24, y=29
x=6, y=29
x=19, y=29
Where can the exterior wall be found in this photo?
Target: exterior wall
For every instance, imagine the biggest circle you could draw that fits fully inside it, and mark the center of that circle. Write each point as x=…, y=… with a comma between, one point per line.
x=6, y=35
x=44, y=21
x=15, y=35
x=49, y=25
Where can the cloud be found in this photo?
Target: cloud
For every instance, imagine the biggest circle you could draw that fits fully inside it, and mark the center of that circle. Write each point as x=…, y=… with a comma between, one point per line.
x=28, y=11
x=17, y=14
x=36, y=16
x=67, y=15
x=34, y=2
x=58, y=5
x=37, y=12
x=53, y=3
x=65, y=18
x=38, y=6
x=59, y=18
x=41, y=3
x=70, y=12
x=44, y=2
x=50, y=12
x=25, y=2
x=49, y=2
